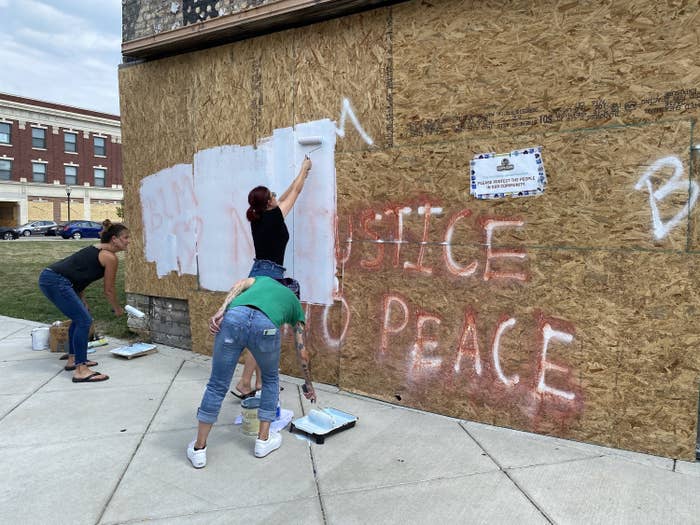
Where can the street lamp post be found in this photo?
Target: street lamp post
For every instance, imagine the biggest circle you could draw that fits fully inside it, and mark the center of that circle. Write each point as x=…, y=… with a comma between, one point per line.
x=68, y=195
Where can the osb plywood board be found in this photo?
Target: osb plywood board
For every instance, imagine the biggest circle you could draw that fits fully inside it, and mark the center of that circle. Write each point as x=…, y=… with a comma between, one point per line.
x=324, y=332
x=348, y=57
x=613, y=335
x=40, y=211
x=202, y=306
x=694, y=183
x=156, y=133
x=466, y=66
x=597, y=193
x=273, y=83
x=223, y=95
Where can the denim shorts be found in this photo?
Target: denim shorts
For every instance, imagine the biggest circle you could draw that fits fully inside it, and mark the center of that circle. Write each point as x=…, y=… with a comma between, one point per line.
x=263, y=267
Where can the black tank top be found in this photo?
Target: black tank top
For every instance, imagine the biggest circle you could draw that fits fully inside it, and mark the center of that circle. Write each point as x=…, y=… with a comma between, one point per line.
x=81, y=268
x=270, y=236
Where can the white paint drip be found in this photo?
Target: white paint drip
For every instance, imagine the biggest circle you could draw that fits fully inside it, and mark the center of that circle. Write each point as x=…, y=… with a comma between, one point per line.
x=660, y=228
x=346, y=111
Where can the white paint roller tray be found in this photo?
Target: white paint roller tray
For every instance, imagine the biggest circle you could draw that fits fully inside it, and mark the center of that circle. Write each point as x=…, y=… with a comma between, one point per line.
x=319, y=424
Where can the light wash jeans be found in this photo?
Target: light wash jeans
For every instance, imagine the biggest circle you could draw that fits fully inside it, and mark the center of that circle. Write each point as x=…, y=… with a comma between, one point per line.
x=243, y=327
x=267, y=268
x=59, y=291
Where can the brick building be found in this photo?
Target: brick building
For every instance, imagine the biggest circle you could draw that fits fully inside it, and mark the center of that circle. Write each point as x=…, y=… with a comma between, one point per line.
x=49, y=150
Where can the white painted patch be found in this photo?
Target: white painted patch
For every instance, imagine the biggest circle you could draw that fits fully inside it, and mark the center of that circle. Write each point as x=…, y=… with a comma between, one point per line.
x=169, y=220
x=223, y=177
x=195, y=223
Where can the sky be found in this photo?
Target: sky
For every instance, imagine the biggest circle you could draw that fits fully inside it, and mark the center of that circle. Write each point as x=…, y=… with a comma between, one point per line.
x=62, y=51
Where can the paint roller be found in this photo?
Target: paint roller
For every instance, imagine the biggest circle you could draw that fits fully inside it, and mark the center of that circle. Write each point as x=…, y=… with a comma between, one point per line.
x=313, y=140
x=322, y=419
x=134, y=311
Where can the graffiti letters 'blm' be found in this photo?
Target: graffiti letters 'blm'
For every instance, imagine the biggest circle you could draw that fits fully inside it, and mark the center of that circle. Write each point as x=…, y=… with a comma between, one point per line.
x=419, y=241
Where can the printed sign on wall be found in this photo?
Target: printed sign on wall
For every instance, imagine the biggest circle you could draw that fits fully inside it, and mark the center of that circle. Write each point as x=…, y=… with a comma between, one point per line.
x=519, y=173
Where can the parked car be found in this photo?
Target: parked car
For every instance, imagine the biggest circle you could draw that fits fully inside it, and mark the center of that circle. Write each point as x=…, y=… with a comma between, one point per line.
x=7, y=233
x=51, y=232
x=35, y=228
x=80, y=229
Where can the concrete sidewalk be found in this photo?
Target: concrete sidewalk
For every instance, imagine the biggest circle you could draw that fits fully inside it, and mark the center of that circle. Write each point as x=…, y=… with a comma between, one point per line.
x=114, y=452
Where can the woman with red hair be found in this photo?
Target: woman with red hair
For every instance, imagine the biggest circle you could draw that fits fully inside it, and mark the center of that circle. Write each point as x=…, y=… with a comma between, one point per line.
x=270, y=236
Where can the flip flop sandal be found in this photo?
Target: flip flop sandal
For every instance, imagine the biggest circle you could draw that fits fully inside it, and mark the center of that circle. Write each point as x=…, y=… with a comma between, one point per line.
x=71, y=368
x=63, y=357
x=244, y=396
x=90, y=378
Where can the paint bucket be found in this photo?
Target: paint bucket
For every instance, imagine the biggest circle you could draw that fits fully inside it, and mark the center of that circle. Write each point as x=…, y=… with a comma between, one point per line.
x=249, y=412
x=40, y=338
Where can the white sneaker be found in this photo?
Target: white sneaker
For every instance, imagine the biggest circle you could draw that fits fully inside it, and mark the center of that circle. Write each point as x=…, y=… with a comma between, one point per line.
x=198, y=458
x=263, y=448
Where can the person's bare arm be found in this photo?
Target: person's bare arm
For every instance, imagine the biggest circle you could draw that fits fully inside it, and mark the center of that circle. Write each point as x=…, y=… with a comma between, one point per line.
x=238, y=288
x=111, y=263
x=304, y=361
x=289, y=197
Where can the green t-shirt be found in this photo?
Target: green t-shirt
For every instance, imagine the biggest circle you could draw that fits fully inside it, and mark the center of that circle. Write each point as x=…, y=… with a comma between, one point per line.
x=272, y=298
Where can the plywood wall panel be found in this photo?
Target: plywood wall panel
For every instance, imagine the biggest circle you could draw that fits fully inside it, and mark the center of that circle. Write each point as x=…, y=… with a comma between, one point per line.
x=347, y=56
x=476, y=67
x=610, y=361
x=202, y=305
x=273, y=77
x=157, y=133
x=222, y=105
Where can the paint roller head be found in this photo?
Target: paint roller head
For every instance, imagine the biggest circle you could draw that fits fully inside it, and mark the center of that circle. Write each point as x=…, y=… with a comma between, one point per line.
x=310, y=141
x=321, y=419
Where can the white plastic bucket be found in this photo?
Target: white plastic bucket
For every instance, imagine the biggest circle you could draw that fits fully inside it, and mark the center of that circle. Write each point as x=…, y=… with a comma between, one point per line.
x=40, y=338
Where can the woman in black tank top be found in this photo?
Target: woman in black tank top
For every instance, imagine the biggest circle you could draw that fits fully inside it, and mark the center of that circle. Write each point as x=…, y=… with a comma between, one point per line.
x=270, y=236
x=64, y=282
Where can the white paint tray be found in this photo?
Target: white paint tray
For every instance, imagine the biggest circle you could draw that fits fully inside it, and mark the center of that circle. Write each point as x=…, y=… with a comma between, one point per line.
x=319, y=424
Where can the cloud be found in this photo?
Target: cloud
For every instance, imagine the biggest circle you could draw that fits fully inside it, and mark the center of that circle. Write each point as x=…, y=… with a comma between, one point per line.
x=66, y=53
x=70, y=42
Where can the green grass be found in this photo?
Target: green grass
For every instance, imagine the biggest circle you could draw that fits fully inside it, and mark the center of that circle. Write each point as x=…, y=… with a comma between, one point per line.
x=22, y=260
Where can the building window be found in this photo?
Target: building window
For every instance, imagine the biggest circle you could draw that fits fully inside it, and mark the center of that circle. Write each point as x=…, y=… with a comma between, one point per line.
x=71, y=174
x=99, y=146
x=38, y=172
x=5, y=133
x=100, y=175
x=5, y=169
x=39, y=138
x=70, y=142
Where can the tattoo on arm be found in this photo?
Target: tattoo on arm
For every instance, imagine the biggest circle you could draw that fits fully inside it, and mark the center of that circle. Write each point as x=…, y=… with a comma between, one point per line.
x=302, y=353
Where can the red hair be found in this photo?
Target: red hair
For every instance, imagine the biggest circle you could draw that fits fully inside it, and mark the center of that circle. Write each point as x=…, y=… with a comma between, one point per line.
x=258, y=198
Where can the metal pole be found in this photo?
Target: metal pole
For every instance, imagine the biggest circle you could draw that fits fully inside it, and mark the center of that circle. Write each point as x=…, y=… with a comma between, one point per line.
x=68, y=194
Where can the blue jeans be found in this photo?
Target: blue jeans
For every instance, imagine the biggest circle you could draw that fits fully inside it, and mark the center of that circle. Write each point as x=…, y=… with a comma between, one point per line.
x=243, y=327
x=60, y=292
x=267, y=268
